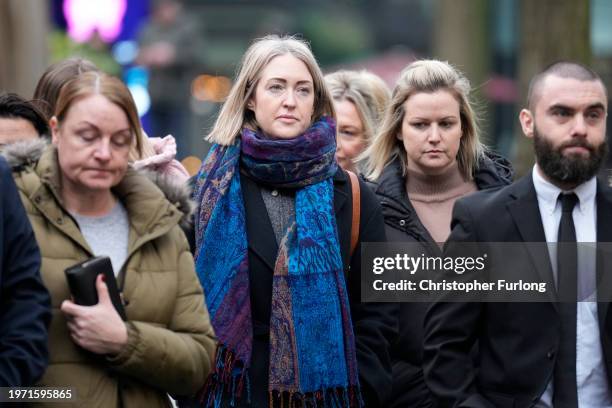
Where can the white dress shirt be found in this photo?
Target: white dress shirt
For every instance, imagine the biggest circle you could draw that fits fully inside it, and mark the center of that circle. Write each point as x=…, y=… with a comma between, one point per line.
x=591, y=378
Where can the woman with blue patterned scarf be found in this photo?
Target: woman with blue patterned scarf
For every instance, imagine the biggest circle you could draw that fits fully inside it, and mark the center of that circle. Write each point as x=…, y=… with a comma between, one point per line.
x=272, y=251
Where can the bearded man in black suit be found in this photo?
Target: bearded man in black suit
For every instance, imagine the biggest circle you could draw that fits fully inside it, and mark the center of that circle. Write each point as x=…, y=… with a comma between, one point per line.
x=541, y=354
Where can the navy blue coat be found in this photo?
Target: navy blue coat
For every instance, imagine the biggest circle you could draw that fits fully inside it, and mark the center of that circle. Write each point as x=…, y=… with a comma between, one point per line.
x=25, y=308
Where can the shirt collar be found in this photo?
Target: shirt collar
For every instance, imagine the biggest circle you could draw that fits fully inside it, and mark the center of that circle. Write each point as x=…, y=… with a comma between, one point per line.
x=548, y=193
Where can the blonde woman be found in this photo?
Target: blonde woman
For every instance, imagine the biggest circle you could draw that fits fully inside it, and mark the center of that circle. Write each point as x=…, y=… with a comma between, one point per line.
x=427, y=154
x=272, y=246
x=360, y=99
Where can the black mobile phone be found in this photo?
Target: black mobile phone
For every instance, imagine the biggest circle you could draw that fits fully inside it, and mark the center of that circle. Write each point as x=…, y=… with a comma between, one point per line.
x=82, y=282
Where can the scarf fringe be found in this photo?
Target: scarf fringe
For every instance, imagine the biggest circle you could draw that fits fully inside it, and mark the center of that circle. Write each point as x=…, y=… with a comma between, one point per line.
x=340, y=397
x=229, y=376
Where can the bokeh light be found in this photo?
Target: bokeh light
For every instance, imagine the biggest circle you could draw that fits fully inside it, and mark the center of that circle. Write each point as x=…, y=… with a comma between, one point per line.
x=137, y=79
x=85, y=17
x=210, y=88
x=125, y=52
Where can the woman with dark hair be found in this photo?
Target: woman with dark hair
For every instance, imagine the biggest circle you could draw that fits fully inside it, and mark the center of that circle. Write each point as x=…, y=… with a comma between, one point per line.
x=273, y=245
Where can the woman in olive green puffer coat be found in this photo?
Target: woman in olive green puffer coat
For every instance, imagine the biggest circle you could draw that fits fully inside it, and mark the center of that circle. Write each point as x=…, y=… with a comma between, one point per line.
x=170, y=339
x=166, y=345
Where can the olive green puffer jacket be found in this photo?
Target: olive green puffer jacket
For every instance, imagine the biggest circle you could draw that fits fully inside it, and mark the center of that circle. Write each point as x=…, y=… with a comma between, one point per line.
x=170, y=339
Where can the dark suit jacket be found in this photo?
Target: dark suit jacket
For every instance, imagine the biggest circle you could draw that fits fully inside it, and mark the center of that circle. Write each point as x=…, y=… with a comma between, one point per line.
x=375, y=325
x=517, y=341
x=25, y=305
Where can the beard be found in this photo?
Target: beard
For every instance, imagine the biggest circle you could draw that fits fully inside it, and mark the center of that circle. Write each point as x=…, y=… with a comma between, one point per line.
x=572, y=169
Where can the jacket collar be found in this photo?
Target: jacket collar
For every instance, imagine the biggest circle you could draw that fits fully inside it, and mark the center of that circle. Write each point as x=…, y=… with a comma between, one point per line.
x=523, y=206
x=397, y=210
x=392, y=181
x=493, y=171
x=151, y=214
x=524, y=209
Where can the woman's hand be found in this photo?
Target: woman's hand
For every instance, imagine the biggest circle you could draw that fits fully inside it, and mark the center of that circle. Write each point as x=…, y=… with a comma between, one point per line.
x=98, y=328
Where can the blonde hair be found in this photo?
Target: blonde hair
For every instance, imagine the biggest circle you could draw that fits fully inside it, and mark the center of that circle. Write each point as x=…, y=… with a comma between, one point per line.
x=98, y=83
x=425, y=76
x=366, y=91
x=234, y=115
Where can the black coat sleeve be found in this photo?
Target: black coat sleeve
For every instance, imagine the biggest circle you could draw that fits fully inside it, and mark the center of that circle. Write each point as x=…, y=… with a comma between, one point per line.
x=24, y=301
x=450, y=332
x=375, y=324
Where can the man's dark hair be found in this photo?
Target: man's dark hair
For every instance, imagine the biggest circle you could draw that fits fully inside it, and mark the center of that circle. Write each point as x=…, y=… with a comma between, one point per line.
x=563, y=69
x=14, y=106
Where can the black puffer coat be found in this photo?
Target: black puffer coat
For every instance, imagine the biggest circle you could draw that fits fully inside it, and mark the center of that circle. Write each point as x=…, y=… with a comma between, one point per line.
x=403, y=225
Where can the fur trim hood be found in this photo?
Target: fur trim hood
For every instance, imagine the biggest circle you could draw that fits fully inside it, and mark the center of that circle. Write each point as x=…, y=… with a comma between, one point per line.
x=22, y=154
x=177, y=192
x=25, y=154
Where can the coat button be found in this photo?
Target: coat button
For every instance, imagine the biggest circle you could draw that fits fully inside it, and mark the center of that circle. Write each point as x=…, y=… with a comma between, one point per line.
x=60, y=220
x=550, y=354
x=402, y=222
x=274, y=193
x=37, y=199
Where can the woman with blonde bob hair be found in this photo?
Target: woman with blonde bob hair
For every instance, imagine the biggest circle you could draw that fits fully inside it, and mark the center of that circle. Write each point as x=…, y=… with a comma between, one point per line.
x=360, y=99
x=427, y=155
x=84, y=200
x=235, y=113
x=273, y=235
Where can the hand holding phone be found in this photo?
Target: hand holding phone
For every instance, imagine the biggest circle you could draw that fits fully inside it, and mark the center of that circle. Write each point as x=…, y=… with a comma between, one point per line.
x=82, y=283
x=96, y=328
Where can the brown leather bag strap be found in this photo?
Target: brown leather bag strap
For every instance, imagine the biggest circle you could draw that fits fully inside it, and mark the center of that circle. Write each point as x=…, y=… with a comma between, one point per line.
x=356, y=211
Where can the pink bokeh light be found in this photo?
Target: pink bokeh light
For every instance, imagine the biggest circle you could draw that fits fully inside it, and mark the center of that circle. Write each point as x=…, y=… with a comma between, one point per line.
x=84, y=17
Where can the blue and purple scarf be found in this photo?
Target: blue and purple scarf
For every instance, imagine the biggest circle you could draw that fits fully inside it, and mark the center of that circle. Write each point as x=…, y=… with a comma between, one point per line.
x=312, y=346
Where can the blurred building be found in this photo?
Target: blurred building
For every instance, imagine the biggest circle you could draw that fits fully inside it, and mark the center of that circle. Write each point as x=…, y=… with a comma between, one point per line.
x=481, y=37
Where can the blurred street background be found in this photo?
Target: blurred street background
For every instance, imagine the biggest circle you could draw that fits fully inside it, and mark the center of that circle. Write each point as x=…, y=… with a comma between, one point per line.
x=179, y=57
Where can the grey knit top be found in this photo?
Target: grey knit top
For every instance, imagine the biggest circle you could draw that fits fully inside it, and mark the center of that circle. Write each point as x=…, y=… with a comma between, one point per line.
x=280, y=204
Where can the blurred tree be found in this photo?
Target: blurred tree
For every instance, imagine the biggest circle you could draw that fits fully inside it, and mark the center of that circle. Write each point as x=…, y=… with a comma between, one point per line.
x=461, y=36
x=95, y=50
x=336, y=34
x=23, y=45
x=551, y=30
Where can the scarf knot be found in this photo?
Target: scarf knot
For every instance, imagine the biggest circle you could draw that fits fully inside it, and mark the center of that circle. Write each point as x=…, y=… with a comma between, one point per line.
x=290, y=163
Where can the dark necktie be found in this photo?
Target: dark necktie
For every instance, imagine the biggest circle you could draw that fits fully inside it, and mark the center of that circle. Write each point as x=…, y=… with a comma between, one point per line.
x=565, y=390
